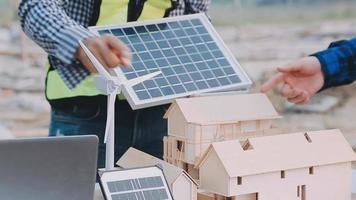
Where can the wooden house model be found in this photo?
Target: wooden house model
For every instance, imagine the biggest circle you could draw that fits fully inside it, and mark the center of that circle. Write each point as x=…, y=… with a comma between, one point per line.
x=194, y=123
x=297, y=166
x=182, y=186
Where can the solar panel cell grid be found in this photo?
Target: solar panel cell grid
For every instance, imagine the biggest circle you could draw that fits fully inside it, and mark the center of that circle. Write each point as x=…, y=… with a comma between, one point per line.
x=184, y=50
x=149, y=188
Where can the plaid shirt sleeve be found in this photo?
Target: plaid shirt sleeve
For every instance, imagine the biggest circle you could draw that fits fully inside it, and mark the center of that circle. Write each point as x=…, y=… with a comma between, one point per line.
x=46, y=22
x=191, y=7
x=338, y=63
x=58, y=25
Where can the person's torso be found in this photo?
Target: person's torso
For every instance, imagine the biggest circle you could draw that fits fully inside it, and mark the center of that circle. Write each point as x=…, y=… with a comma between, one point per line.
x=101, y=12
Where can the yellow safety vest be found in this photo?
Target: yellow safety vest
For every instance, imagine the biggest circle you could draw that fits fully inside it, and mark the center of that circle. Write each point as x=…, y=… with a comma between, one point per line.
x=111, y=12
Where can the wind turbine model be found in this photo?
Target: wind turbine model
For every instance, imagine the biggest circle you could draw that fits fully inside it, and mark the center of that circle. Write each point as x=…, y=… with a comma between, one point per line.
x=112, y=86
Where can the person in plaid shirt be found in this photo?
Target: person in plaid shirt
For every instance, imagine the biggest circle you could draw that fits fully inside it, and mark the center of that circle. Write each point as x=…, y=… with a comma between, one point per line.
x=302, y=79
x=58, y=26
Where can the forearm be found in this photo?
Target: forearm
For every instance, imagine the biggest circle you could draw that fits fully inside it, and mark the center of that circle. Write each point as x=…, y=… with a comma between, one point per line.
x=338, y=63
x=46, y=22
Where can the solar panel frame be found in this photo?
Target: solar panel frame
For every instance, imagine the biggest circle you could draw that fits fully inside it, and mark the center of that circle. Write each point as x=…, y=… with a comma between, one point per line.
x=139, y=183
x=144, y=26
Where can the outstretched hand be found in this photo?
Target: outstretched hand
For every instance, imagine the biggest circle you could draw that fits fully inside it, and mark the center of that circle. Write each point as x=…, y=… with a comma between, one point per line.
x=301, y=80
x=109, y=50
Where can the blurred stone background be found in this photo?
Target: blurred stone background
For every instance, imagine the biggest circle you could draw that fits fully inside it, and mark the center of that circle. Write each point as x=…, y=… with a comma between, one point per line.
x=262, y=34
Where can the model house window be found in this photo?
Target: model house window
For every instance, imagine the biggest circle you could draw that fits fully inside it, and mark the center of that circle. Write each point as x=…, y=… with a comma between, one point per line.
x=307, y=137
x=239, y=180
x=311, y=170
x=246, y=145
x=283, y=174
x=180, y=146
x=301, y=192
x=186, y=167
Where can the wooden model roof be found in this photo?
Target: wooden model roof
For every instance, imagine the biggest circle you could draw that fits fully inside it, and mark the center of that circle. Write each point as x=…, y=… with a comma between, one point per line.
x=229, y=108
x=282, y=152
x=134, y=158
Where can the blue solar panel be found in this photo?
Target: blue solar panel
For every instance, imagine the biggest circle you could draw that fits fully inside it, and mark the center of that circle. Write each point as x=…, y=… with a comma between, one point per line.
x=184, y=50
x=135, y=186
x=199, y=50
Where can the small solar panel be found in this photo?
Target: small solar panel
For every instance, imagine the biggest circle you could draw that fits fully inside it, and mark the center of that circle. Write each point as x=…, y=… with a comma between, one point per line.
x=187, y=50
x=135, y=184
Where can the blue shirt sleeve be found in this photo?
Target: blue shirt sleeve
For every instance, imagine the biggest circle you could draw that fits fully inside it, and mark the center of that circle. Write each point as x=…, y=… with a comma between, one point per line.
x=338, y=63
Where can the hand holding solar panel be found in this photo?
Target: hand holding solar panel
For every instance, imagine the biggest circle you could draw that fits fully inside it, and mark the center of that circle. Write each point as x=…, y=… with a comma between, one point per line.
x=187, y=50
x=112, y=86
x=108, y=49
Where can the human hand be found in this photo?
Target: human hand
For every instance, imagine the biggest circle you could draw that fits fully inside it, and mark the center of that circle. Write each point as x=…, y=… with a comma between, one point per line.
x=301, y=80
x=109, y=51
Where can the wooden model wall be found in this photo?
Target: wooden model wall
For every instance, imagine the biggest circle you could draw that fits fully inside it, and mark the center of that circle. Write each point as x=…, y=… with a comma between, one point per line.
x=236, y=155
x=184, y=149
x=195, y=123
x=298, y=166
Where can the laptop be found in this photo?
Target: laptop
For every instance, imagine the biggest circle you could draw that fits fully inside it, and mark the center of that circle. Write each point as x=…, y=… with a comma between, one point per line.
x=53, y=168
